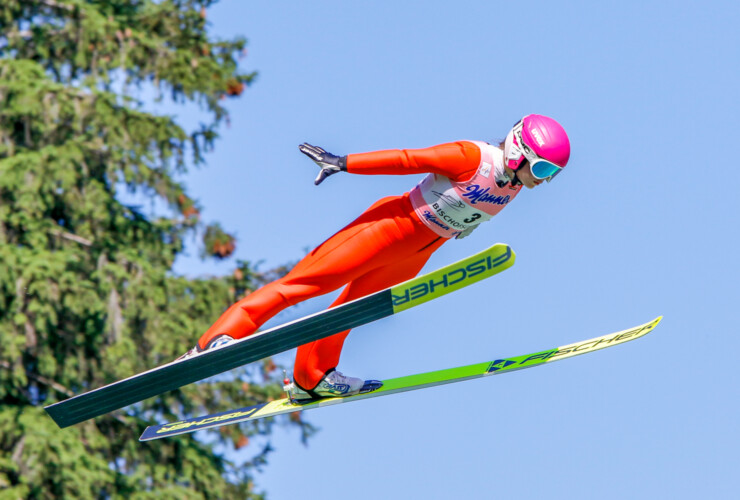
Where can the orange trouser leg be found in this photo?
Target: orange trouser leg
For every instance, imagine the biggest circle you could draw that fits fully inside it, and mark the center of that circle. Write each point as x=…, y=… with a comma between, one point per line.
x=315, y=359
x=386, y=232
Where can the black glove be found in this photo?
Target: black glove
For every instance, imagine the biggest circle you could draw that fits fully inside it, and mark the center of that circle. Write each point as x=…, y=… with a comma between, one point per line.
x=330, y=164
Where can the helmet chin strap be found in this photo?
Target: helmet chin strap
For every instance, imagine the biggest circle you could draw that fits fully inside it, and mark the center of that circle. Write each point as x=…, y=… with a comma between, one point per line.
x=515, y=181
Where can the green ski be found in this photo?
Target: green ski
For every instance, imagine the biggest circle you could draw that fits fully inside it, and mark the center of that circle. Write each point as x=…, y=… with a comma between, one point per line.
x=402, y=384
x=282, y=338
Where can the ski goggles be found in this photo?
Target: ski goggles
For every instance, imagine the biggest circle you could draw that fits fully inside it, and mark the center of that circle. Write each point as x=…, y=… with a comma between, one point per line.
x=541, y=168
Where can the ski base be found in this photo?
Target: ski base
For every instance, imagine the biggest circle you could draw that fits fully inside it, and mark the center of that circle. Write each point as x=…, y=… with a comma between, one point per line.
x=402, y=384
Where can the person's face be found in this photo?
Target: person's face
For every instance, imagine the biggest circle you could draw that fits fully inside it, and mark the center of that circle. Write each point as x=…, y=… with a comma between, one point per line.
x=524, y=173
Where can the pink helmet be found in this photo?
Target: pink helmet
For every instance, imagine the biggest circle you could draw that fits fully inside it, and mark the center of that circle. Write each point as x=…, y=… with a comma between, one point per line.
x=542, y=142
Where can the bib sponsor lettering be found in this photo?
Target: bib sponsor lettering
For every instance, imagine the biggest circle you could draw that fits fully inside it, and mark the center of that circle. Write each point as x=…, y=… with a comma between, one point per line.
x=448, y=208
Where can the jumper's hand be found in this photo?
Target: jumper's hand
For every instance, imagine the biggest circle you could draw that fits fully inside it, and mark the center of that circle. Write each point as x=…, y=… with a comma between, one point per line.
x=330, y=164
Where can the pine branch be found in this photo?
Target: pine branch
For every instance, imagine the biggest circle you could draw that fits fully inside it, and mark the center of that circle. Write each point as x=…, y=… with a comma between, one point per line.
x=54, y=385
x=71, y=237
x=42, y=380
x=57, y=5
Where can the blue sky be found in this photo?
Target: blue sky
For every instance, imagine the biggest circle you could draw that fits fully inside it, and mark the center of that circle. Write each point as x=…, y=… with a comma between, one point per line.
x=642, y=223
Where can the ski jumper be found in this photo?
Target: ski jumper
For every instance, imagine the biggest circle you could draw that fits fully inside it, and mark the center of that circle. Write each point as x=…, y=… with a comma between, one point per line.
x=386, y=245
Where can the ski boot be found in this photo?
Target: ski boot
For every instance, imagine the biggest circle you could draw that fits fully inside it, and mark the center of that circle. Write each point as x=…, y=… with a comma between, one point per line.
x=333, y=385
x=215, y=343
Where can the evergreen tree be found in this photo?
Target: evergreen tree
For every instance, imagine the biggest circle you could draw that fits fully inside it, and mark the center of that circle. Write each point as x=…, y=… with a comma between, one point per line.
x=87, y=295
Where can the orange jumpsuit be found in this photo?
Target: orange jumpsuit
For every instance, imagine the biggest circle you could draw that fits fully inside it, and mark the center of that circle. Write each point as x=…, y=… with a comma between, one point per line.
x=384, y=246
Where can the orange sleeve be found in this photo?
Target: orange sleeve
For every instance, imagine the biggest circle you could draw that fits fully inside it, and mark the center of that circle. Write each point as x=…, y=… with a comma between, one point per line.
x=456, y=160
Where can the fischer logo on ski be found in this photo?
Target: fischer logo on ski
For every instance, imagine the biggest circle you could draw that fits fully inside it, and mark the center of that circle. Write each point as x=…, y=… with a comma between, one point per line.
x=448, y=279
x=500, y=364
